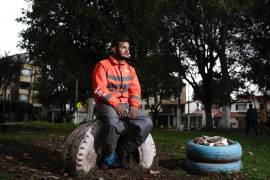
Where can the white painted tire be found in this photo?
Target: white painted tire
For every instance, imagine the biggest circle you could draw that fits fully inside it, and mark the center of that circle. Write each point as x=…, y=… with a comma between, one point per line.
x=82, y=145
x=147, y=152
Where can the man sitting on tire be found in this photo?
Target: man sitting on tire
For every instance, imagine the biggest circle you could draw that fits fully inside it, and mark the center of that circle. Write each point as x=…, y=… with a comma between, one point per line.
x=117, y=92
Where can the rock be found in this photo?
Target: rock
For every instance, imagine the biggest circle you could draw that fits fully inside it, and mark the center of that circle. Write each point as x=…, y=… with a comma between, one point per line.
x=154, y=172
x=212, y=141
x=9, y=157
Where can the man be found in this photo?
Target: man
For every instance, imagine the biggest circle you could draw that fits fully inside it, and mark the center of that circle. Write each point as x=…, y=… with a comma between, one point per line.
x=251, y=119
x=117, y=91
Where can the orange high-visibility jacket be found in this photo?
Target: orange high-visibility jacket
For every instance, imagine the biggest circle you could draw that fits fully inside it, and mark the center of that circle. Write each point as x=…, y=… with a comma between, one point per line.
x=116, y=82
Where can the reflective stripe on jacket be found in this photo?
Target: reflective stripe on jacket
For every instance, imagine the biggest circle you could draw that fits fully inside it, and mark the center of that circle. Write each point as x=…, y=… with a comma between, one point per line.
x=116, y=82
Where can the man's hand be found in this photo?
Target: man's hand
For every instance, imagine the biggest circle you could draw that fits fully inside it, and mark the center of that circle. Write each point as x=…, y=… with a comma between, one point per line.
x=120, y=109
x=133, y=112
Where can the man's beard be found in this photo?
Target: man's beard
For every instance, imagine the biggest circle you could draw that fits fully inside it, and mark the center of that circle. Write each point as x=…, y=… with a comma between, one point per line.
x=120, y=57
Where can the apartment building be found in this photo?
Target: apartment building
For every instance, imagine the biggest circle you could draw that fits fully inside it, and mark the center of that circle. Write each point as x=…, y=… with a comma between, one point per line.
x=23, y=89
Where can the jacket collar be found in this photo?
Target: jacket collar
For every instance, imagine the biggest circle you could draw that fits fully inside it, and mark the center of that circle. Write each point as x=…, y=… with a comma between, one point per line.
x=114, y=61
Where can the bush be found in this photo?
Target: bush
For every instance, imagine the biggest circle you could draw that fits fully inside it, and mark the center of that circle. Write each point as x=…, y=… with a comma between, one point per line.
x=16, y=109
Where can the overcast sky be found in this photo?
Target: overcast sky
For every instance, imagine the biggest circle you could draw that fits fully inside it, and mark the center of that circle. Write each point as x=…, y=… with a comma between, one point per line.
x=9, y=28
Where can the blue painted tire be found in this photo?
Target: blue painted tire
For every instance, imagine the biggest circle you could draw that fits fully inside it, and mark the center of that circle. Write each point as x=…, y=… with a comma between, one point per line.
x=214, y=154
x=208, y=168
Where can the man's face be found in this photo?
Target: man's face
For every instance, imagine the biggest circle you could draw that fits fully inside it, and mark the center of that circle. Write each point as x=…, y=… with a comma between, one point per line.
x=122, y=51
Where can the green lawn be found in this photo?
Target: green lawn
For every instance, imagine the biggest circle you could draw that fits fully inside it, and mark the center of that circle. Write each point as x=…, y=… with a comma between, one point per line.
x=170, y=143
x=33, y=130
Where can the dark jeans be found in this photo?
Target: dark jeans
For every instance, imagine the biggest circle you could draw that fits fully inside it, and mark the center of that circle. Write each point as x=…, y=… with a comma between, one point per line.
x=252, y=124
x=135, y=130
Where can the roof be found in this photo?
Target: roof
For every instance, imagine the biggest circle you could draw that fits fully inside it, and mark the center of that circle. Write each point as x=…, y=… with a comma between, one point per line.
x=24, y=58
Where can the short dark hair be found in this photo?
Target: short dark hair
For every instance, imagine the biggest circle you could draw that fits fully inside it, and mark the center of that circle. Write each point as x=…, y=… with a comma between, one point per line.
x=250, y=105
x=115, y=42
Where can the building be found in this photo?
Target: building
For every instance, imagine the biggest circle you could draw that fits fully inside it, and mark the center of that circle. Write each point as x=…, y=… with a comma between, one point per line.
x=240, y=107
x=28, y=77
x=22, y=88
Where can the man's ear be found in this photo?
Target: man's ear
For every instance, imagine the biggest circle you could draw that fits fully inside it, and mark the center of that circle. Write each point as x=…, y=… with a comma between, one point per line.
x=114, y=50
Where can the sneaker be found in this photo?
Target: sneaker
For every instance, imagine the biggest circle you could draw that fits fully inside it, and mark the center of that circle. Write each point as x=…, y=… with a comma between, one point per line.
x=108, y=161
x=123, y=157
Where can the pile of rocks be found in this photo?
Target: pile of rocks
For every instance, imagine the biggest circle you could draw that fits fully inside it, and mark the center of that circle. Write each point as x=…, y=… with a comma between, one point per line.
x=212, y=141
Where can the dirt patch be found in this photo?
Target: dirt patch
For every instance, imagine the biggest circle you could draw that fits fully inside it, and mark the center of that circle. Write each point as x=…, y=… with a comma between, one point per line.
x=41, y=159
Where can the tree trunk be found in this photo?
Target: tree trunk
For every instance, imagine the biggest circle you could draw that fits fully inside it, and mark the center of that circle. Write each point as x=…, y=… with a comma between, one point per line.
x=156, y=109
x=208, y=115
x=225, y=78
x=155, y=117
x=207, y=100
x=64, y=112
x=225, y=120
x=3, y=120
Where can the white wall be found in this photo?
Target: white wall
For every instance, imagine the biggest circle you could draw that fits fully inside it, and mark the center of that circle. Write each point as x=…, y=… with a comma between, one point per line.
x=246, y=103
x=193, y=106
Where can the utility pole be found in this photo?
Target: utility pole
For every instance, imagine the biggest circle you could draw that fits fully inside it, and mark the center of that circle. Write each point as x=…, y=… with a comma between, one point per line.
x=178, y=111
x=188, y=116
x=76, y=100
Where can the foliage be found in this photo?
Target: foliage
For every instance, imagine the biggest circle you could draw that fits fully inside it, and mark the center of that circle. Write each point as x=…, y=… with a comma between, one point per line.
x=202, y=34
x=197, y=39
x=15, y=109
x=254, y=43
x=10, y=69
x=66, y=39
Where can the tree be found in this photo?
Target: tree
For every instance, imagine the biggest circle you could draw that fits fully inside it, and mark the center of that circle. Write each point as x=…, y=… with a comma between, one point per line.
x=202, y=34
x=10, y=69
x=160, y=81
x=67, y=38
x=254, y=45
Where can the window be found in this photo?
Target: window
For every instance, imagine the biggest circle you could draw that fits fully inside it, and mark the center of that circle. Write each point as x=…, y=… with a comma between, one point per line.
x=35, y=98
x=23, y=97
x=25, y=85
x=240, y=107
x=26, y=72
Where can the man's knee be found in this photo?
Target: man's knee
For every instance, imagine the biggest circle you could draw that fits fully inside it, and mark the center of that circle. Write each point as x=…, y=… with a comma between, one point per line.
x=142, y=125
x=147, y=122
x=106, y=112
x=114, y=125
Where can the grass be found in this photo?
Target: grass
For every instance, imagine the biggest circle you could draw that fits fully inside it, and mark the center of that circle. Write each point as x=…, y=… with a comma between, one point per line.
x=6, y=176
x=171, y=143
x=256, y=150
x=34, y=130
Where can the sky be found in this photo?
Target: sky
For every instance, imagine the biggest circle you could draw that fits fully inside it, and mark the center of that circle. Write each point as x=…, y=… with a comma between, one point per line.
x=9, y=28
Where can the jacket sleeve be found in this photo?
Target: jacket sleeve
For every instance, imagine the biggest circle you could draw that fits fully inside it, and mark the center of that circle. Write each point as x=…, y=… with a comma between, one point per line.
x=99, y=84
x=134, y=91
